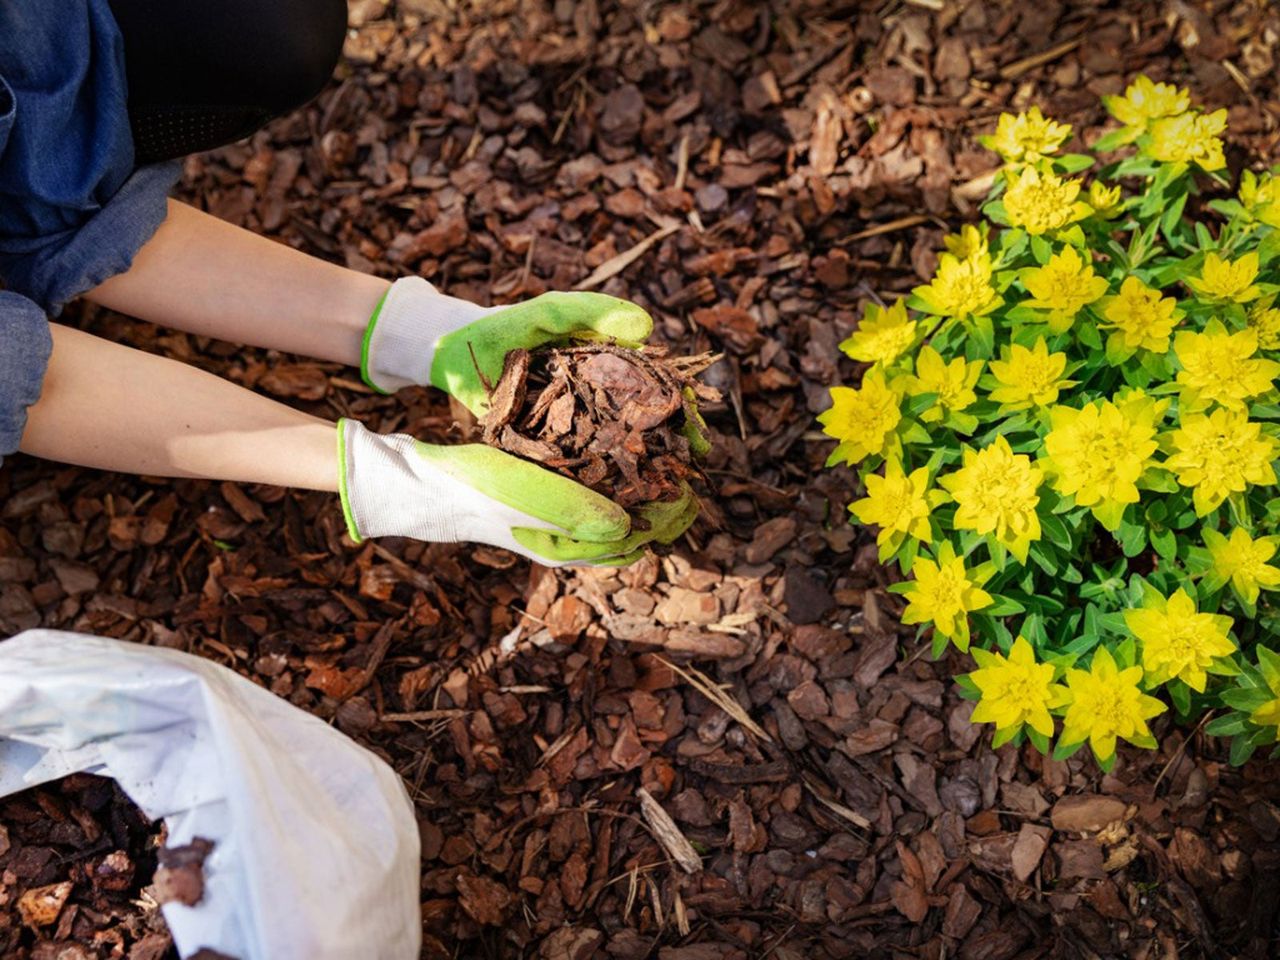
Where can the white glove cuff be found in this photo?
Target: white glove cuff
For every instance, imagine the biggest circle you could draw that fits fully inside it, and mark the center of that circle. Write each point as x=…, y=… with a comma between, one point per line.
x=388, y=490
x=400, y=341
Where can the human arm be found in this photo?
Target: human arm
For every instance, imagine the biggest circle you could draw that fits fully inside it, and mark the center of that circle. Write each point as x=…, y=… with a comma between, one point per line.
x=109, y=406
x=209, y=277
x=205, y=276
x=154, y=416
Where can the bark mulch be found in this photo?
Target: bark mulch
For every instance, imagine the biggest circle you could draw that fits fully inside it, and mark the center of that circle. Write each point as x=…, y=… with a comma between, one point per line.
x=733, y=750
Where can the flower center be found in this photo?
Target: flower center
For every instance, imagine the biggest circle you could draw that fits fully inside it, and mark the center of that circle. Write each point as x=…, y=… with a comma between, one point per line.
x=948, y=590
x=1110, y=712
x=1036, y=374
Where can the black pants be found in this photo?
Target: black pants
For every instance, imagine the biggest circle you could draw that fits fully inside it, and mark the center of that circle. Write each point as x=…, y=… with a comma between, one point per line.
x=203, y=73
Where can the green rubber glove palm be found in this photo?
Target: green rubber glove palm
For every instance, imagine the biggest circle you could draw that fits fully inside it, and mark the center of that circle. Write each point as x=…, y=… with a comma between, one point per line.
x=396, y=486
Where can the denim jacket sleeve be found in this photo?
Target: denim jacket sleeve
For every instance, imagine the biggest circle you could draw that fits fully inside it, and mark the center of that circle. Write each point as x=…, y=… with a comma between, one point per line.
x=73, y=209
x=25, y=345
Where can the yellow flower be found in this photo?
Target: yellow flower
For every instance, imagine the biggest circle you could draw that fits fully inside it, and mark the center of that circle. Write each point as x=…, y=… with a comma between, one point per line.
x=1106, y=705
x=863, y=420
x=952, y=382
x=1189, y=138
x=882, y=336
x=1141, y=317
x=1028, y=378
x=960, y=288
x=1260, y=196
x=1177, y=642
x=1015, y=690
x=1027, y=137
x=1040, y=202
x=969, y=242
x=896, y=503
x=1220, y=454
x=1243, y=561
x=1104, y=199
x=1144, y=101
x=1264, y=320
x=1268, y=715
x=1216, y=366
x=996, y=493
x=1063, y=286
x=1227, y=280
x=944, y=594
x=1099, y=453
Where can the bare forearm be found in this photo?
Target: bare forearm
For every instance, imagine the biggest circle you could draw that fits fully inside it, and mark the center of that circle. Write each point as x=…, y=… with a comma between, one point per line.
x=208, y=277
x=111, y=407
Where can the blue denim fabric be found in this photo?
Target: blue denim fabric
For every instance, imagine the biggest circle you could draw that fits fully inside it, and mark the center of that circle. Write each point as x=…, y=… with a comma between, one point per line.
x=73, y=211
x=24, y=354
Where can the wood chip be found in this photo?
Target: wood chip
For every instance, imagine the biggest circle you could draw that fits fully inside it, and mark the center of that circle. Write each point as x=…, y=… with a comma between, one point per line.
x=668, y=834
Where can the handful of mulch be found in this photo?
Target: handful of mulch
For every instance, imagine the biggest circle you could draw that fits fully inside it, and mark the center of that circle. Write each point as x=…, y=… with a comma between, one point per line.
x=612, y=418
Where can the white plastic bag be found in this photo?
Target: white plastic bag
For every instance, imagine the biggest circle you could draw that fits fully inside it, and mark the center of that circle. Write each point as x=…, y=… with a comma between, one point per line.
x=317, y=845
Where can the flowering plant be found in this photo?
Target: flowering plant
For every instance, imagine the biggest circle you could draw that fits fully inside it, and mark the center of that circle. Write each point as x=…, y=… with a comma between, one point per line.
x=1066, y=439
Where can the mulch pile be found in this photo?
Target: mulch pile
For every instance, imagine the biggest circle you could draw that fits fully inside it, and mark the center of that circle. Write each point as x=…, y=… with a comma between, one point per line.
x=611, y=418
x=752, y=173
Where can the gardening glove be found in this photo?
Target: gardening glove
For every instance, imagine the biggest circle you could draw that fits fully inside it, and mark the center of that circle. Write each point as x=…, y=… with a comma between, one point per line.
x=418, y=335
x=394, y=485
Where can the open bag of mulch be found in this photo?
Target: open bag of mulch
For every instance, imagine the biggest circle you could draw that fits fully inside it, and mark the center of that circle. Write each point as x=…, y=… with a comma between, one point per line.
x=314, y=841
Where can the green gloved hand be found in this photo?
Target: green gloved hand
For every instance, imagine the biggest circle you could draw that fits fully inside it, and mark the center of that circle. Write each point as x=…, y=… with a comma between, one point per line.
x=421, y=336
x=394, y=485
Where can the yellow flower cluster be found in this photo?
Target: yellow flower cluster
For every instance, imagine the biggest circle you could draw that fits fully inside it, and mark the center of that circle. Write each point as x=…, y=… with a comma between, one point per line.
x=1040, y=202
x=1063, y=287
x=1100, y=705
x=1160, y=117
x=1140, y=316
x=1027, y=137
x=1099, y=453
x=1060, y=401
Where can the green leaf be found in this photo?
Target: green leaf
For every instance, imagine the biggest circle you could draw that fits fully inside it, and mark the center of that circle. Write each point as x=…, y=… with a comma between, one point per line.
x=1001, y=737
x=919, y=403
x=1003, y=606
x=1117, y=351
x=1113, y=140
x=1011, y=244
x=1057, y=532
x=1083, y=644
x=983, y=336
x=1114, y=622
x=1227, y=726
x=1065, y=751
x=1242, y=748
x=1041, y=249
x=1180, y=694
x=1132, y=538
x=912, y=432
x=1269, y=248
x=1038, y=740
x=1041, y=558
x=1073, y=162
x=1165, y=543
x=1086, y=330
x=1171, y=219
x=1246, y=701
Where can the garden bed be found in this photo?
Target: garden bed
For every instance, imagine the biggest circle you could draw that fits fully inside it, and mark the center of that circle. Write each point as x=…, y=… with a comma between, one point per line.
x=781, y=165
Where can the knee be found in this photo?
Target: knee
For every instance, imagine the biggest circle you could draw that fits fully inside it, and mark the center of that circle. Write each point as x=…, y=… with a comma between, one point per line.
x=306, y=48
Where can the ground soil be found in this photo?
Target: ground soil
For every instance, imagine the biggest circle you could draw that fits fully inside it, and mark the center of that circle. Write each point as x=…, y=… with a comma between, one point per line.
x=772, y=166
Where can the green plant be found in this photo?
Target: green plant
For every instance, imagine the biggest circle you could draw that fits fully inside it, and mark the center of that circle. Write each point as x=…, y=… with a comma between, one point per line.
x=1066, y=438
